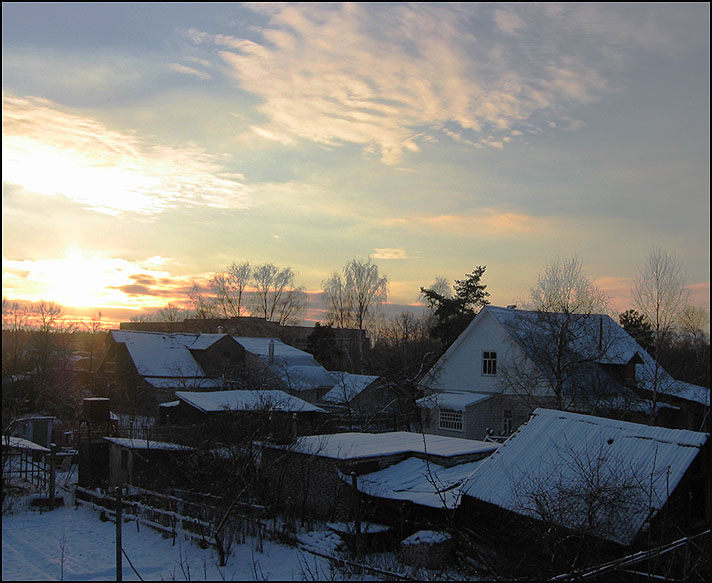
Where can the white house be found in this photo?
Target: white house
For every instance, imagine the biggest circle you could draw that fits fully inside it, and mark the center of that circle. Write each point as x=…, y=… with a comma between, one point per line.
x=508, y=362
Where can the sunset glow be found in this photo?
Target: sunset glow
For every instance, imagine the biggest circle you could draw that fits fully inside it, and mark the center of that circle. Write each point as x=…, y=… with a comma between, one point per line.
x=146, y=147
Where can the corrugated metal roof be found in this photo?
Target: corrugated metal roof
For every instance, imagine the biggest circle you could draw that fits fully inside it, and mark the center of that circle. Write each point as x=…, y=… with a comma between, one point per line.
x=551, y=467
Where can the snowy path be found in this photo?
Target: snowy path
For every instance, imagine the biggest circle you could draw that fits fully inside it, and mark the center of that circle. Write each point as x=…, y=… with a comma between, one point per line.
x=32, y=550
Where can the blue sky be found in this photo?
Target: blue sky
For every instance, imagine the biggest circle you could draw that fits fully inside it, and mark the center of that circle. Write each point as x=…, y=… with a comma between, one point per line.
x=161, y=142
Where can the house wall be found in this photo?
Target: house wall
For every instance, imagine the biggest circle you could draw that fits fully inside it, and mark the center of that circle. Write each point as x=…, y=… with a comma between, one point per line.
x=461, y=367
x=304, y=483
x=224, y=357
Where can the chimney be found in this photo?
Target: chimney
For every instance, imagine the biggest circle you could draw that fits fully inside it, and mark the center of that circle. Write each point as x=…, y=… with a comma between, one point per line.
x=512, y=306
x=271, y=351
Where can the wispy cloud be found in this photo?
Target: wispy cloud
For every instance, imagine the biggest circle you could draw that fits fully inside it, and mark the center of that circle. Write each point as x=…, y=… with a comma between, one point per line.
x=184, y=69
x=387, y=77
x=486, y=221
x=50, y=151
x=390, y=253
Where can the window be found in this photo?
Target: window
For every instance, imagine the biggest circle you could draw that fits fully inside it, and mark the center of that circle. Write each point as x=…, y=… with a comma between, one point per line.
x=489, y=363
x=506, y=421
x=451, y=419
x=110, y=366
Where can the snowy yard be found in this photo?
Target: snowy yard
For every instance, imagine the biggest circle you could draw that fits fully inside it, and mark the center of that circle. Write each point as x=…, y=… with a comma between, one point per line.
x=74, y=544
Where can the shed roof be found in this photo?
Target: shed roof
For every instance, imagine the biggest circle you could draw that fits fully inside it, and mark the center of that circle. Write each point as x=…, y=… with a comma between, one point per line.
x=244, y=400
x=353, y=446
x=419, y=481
x=549, y=466
x=9, y=441
x=458, y=400
x=147, y=444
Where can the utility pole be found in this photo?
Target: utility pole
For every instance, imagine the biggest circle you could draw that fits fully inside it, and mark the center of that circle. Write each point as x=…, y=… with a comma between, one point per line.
x=118, y=535
x=52, y=474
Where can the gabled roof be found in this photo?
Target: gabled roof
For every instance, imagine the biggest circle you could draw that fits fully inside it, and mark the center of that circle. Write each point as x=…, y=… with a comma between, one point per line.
x=296, y=368
x=545, y=470
x=594, y=337
x=157, y=354
x=348, y=386
x=242, y=400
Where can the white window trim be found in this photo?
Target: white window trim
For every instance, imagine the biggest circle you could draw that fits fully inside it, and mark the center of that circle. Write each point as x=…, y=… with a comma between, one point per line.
x=489, y=361
x=452, y=420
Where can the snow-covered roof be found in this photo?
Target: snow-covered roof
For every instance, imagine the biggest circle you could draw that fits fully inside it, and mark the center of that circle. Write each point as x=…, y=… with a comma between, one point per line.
x=147, y=444
x=297, y=369
x=347, y=386
x=246, y=400
x=690, y=392
x=457, y=400
x=600, y=335
x=428, y=537
x=544, y=468
x=185, y=383
x=157, y=354
x=419, y=481
x=352, y=446
x=20, y=443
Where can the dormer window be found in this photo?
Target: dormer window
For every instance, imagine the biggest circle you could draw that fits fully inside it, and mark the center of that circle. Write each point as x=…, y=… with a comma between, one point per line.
x=489, y=363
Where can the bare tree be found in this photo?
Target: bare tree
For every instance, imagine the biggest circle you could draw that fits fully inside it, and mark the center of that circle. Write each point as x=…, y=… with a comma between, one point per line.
x=171, y=313
x=276, y=296
x=338, y=311
x=563, y=340
x=15, y=320
x=354, y=295
x=659, y=293
x=367, y=288
x=229, y=288
x=693, y=321
x=563, y=287
x=204, y=306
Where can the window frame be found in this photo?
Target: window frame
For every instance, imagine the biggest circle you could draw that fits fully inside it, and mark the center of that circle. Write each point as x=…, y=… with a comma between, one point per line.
x=453, y=420
x=489, y=363
x=506, y=422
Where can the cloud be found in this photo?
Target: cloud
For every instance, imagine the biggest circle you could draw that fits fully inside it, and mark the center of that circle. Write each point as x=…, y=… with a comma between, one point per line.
x=52, y=152
x=184, y=69
x=389, y=253
x=388, y=76
x=486, y=221
x=83, y=279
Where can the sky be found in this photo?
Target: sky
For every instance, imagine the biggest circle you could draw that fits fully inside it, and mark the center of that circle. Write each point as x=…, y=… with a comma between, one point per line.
x=148, y=146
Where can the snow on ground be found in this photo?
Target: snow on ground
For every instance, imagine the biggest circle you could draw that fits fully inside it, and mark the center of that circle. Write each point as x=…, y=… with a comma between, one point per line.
x=72, y=543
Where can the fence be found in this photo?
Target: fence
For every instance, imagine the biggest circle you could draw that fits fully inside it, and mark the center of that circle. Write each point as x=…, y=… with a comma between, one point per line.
x=175, y=515
x=23, y=465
